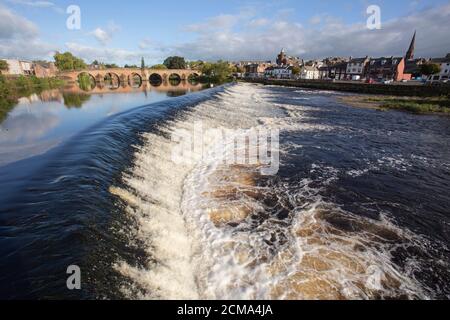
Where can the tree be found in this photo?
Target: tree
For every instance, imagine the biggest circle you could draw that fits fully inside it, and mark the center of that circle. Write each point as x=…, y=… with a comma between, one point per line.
x=429, y=69
x=196, y=65
x=296, y=70
x=218, y=72
x=133, y=66
x=175, y=63
x=158, y=67
x=3, y=65
x=111, y=66
x=68, y=62
x=142, y=63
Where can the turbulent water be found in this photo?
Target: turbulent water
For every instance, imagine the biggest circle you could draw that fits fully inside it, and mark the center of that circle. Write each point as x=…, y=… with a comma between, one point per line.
x=359, y=208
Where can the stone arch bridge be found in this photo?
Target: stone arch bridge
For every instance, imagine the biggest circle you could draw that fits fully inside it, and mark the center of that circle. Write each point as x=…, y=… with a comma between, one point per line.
x=129, y=75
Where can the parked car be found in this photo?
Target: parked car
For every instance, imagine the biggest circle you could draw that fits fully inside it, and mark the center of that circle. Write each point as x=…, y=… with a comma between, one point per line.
x=388, y=81
x=370, y=81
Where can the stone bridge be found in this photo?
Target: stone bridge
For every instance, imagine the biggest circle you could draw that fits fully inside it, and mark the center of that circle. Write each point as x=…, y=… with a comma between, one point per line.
x=132, y=75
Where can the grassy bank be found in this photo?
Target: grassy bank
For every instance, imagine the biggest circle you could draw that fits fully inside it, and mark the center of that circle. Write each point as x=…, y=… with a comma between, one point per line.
x=417, y=105
x=11, y=89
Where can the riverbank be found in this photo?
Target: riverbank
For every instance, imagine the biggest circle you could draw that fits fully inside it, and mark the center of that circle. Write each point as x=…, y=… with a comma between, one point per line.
x=417, y=105
x=399, y=90
x=11, y=89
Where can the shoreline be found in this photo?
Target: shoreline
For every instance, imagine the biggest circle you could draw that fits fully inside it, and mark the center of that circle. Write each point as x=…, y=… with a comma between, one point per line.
x=398, y=90
x=414, y=105
x=423, y=100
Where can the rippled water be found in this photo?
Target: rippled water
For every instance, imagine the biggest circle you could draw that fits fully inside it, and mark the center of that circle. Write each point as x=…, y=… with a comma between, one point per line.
x=358, y=209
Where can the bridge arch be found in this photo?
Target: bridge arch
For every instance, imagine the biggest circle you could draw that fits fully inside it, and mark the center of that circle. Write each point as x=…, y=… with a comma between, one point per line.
x=86, y=81
x=156, y=79
x=135, y=80
x=174, y=79
x=111, y=80
x=193, y=78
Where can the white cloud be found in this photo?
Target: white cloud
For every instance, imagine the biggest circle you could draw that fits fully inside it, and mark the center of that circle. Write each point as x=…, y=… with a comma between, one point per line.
x=145, y=44
x=317, y=19
x=104, y=36
x=19, y=38
x=14, y=26
x=101, y=35
x=331, y=38
x=256, y=23
x=39, y=4
x=112, y=55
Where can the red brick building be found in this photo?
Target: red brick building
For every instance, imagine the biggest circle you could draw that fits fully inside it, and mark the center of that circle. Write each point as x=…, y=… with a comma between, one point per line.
x=392, y=68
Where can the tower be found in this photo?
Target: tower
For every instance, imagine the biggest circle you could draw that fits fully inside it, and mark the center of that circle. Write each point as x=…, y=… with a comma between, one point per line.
x=412, y=46
x=281, y=59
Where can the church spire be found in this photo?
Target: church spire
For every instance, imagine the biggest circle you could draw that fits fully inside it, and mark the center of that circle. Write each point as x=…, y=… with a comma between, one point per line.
x=412, y=46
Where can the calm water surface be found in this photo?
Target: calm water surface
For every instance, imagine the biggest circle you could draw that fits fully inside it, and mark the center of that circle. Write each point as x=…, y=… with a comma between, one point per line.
x=358, y=210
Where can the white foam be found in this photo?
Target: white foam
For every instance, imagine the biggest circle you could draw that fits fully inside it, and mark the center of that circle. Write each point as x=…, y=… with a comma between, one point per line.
x=190, y=257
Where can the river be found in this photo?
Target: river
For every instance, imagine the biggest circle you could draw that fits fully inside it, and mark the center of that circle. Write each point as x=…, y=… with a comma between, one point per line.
x=358, y=207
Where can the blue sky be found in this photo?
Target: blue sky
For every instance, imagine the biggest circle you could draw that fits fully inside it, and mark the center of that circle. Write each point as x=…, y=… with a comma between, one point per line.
x=122, y=31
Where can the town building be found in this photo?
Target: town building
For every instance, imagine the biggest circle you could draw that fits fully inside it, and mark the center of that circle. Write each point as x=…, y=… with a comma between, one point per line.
x=384, y=68
x=324, y=73
x=279, y=72
x=338, y=71
x=334, y=60
x=410, y=53
x=444, y=63
x=309, y=73
x=18, y=67
x=356, y=68
x=413, y=67
x=256, y=70
x=285, y=60
x=42, y=69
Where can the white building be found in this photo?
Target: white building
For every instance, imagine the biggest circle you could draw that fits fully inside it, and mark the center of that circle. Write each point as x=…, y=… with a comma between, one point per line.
x=356, y=68
x=19, y=67
x=284, y=72
x=310, y=73
x=445, y=68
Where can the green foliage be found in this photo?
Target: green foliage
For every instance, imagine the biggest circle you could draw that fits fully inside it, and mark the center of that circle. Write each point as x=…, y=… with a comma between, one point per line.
x=196, y=65
x=75, y=100
x=3, y=65
x=429, y=69
x=14, y=88
x=218, y=72
x=240, y=69
x=67, y=62
x=142, y=63
x=86, y=82
x=296, y=70
x=111, y=66
x=132, y=66
x=158, y=67
x=175, y=63
x=415, y=105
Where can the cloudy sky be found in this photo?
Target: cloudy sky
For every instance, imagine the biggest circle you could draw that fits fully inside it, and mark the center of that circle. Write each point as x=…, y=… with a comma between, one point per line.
x=122, y=31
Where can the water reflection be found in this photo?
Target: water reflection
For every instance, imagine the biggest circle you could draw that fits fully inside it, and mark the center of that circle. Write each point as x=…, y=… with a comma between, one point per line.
x=39, y=122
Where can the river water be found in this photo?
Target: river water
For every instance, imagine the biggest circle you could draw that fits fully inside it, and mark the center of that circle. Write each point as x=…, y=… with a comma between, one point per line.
x=359, y=208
